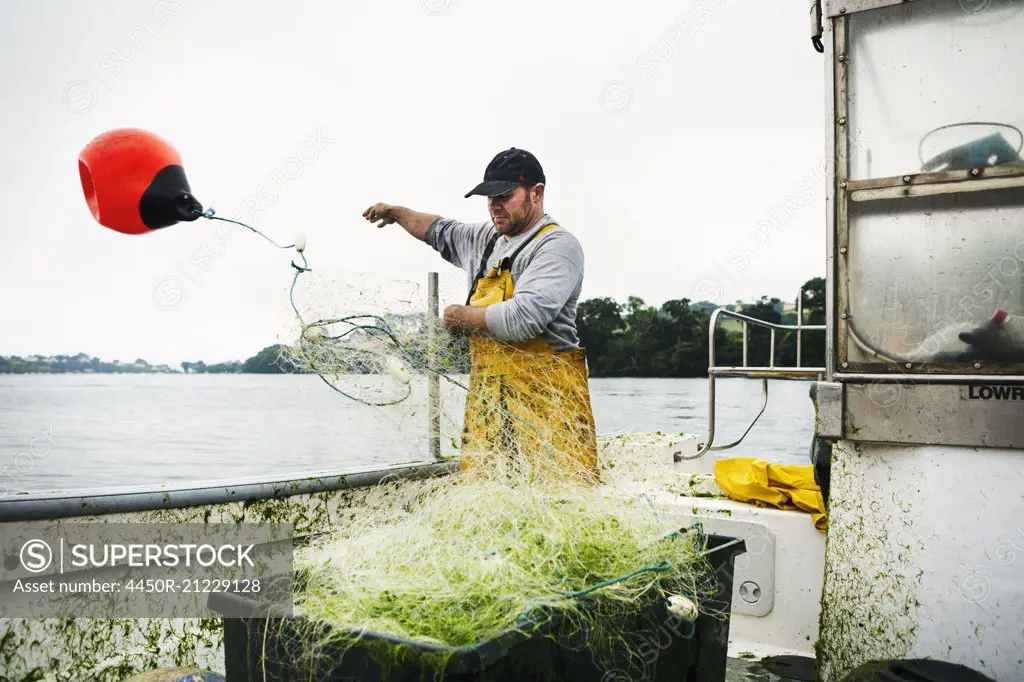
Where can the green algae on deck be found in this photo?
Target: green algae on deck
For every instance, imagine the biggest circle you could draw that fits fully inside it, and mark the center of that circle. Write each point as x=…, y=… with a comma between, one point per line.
x=698, y=485
x=95, y=649
x=70, y=649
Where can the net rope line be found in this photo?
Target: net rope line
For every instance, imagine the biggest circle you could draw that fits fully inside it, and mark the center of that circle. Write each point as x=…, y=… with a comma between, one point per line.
x=380, y=329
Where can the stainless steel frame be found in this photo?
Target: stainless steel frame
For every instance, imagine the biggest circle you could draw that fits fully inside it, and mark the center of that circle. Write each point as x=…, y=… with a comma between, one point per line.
x=836, y=8
x=764, y=373
x=929, y=378
x=830, y=206
x=976, y=415
x=838, y=311
x=932, y=190
x=972, y=175
x=931, y=184
x=838, y=213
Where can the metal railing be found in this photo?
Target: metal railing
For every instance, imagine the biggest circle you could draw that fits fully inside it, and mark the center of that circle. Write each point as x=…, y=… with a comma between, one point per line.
x=756, y=372
x=72, y=503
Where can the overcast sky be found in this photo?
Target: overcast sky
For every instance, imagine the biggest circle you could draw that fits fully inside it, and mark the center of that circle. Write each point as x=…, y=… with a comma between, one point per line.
x=683, y=144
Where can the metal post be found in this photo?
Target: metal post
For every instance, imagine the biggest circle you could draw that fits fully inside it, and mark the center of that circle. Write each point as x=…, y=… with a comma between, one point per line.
x=745, y=363
x=799, y=322
x=433, y=379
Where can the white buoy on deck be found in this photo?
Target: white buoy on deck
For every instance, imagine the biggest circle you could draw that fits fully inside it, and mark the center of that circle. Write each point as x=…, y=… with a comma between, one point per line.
x=682, y=607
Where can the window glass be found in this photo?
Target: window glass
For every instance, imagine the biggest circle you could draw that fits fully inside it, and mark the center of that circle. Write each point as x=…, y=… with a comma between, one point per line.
x=935, y=85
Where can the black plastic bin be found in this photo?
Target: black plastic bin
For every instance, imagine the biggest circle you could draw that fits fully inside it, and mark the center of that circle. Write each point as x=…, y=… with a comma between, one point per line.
x=665, y=649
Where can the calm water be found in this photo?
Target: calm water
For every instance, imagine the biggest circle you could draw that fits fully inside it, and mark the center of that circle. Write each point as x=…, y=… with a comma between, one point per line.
x=86, y=431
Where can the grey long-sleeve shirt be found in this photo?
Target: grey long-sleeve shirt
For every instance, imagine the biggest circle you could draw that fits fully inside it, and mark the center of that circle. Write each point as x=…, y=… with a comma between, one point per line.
x=547, y=276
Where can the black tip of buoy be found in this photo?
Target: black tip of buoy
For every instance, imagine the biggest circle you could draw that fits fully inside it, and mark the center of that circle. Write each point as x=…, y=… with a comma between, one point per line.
x=168, y=199
x=189, y=208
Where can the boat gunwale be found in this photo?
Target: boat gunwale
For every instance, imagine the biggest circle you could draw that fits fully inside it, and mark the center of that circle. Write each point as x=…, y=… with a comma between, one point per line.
x=92, y=502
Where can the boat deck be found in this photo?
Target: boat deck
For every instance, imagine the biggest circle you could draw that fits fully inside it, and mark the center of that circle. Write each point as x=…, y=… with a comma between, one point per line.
x=743, y=670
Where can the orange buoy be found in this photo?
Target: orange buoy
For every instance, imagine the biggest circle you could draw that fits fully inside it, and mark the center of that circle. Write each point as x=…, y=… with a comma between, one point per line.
x=134, y=182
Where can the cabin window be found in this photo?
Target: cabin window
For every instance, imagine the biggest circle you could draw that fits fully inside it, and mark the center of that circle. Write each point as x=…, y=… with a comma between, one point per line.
x=935, y=85
x=923, y=270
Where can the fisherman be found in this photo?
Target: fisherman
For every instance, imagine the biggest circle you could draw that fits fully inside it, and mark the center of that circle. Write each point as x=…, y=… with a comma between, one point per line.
x=528, y=400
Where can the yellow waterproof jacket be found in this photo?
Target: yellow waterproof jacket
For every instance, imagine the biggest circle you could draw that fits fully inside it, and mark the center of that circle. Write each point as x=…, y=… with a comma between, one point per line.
x=786, y=486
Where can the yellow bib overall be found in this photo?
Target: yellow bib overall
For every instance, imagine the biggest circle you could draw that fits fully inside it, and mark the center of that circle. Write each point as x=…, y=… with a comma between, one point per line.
x=528, y=406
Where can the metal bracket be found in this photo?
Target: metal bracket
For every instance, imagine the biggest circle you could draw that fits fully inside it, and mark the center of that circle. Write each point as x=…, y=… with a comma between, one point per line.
x=828, y=409
x=834, y=8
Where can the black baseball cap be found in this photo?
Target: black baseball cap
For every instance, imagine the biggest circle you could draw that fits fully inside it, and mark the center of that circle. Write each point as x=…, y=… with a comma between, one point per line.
x=506, y=170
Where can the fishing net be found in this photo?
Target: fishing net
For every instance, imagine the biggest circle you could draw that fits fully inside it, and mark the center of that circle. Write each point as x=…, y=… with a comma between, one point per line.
x=456, y=562
x=370, y=338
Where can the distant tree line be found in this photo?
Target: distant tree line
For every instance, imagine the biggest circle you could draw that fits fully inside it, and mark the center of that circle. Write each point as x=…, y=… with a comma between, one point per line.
x=232, y=367
x=75, y=364
x=621, y=340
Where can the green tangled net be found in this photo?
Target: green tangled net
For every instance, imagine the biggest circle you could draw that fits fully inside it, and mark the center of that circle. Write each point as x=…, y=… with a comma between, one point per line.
x=456, y=563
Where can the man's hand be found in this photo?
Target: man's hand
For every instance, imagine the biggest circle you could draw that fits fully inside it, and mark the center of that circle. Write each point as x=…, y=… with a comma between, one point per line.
x=414, y=222
x=385, y=213
x=465, y=319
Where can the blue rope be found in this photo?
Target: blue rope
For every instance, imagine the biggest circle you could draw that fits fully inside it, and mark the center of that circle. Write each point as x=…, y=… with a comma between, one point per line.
x=211, y=214
x=665, y=565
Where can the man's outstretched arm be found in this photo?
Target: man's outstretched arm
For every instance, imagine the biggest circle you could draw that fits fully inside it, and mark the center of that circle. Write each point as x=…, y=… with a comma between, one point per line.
x=458, y=243
x=414, y=222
